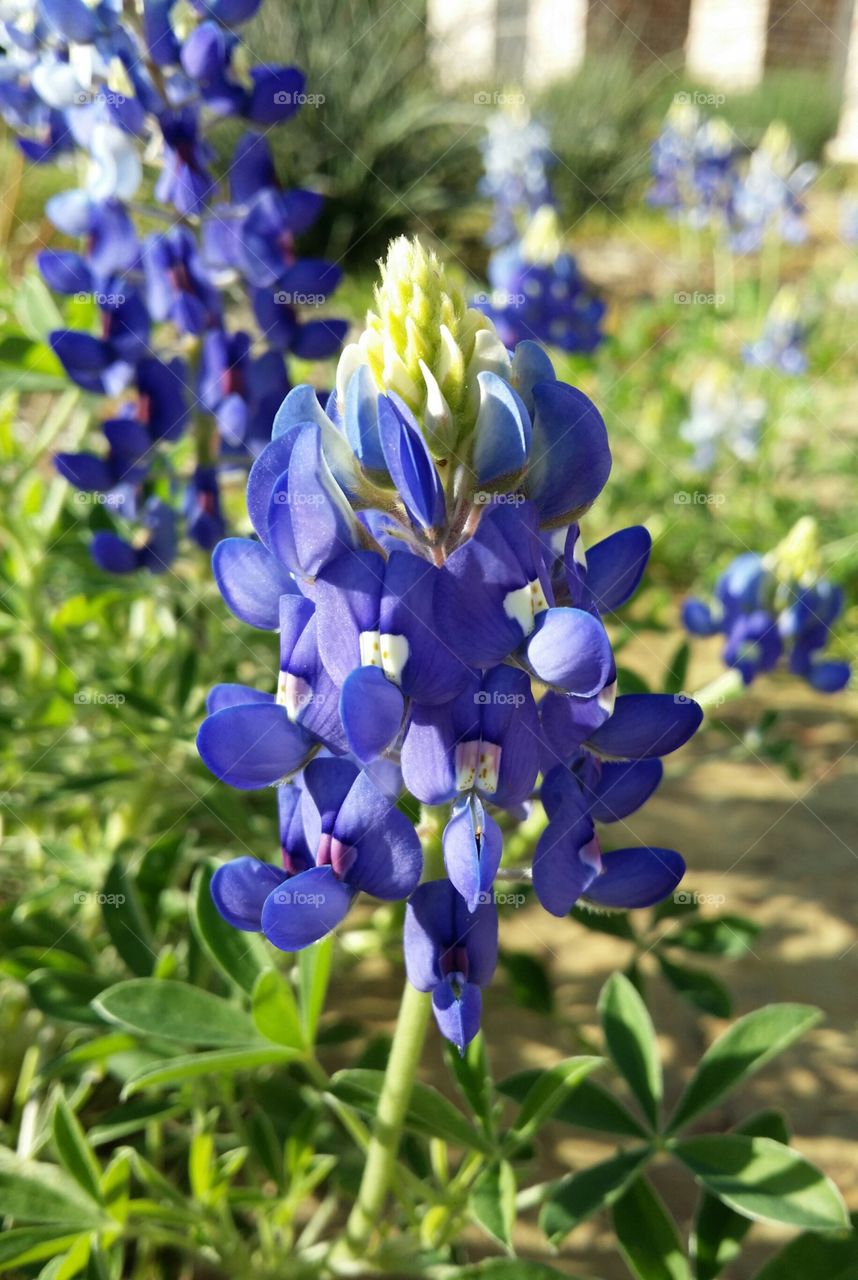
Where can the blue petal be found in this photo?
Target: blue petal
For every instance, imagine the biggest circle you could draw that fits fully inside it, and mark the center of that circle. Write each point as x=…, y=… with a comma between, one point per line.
x=560, y=874
x=371, y=709
x=829, y=677
x=636, y=877
x=271, y=464
x=624, y=787
x=410, y=463
x=457, y=1016
x=239, y=889
x=113, y=554
x=319, y=339
x=502, y=432
x=567, y=722
x=616, y=565
x=473, y=845
x=64, y=272
x=251, y=581
x=647, y=724
x=530, y=365
x=252, y=746
x=305, y=908
x=234, y=695
x=361, y=420
x=570, y=649
x=570, y=460
x=84, y=470
x=697, y=618
x=388, y=855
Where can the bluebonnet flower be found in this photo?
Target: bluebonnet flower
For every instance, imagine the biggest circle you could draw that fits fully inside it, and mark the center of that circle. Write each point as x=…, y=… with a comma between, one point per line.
x=417, y=546
x=775, y=606
x=115, y=85
x=537, y=291
x=769, y=198
x=694, y=168
x=721, y=414
x=516, y=157
x=781, y=344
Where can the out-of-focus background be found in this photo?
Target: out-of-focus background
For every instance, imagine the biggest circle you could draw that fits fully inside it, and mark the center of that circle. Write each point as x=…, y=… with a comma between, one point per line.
x=102, y=680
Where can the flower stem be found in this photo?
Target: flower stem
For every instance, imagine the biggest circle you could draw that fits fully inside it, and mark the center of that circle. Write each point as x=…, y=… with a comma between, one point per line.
x=725, y=688
x=405, y=1053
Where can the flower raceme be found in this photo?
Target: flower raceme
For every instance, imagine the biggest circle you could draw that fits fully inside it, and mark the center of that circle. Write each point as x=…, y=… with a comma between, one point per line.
x=138, y=87
x=418, y=548
x=776, y=606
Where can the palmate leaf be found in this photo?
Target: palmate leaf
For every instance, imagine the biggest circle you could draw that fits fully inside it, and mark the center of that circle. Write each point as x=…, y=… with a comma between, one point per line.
x=829, y=1257
x=630, y=1037
x=42, y=1193
x=743, y=1049
x=492, y=1202
x=585, y=1192
x=429, y=1113
x=547, y=1093
x=653, y=1252
x=168, y=1010
x=718, y=1229
x=589, y=1105
x=240, y=957
x=698, y=987
x=763, y=1179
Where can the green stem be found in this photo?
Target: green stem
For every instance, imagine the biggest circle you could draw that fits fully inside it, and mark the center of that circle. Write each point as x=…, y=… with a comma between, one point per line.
x=725, y=688
x=405, y=1053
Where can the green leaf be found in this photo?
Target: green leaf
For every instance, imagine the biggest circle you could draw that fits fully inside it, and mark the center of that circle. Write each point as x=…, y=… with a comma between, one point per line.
x=33, y=1244
x=493, y=1202
x=725, y=936
x=589, y=1106
x=505, y=1269
x=67, y=996
x=529, y=982
x=314, y=969
x=828, y=1256
x=615, y=923
x=275, y=1010
x=718, y=1229
x=126, y=921
x=586, y=1191
x=653, y=1253
x=471, y=1072
x=75, y=1155
x=428, y=1112
x=37, y=1192
x=630, y=1038
x=678, y=670
x=764, y=1179
x=240, y=956
x=547, y=1092
x=168, y=1010
x=218, y=1062
x=743, y=1049
x=630, y=682
x=698, y=987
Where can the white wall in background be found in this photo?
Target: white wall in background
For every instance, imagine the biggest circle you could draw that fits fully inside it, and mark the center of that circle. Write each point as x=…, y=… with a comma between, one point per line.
x=726, y=43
